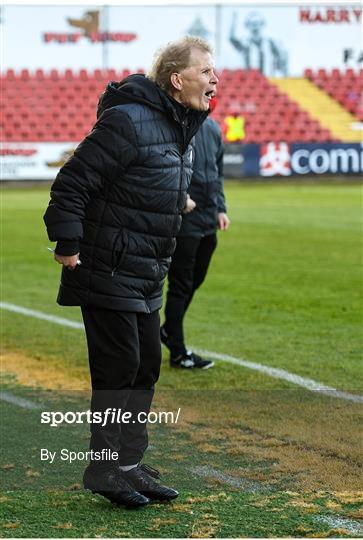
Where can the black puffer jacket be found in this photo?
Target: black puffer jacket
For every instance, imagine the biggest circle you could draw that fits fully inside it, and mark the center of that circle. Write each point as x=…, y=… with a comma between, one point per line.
x=118, y=199
x=206, y=188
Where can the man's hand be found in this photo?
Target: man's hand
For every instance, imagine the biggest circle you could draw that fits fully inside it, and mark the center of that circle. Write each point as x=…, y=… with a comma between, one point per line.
x=68, y=261
x=189, y=206
x=223, y=221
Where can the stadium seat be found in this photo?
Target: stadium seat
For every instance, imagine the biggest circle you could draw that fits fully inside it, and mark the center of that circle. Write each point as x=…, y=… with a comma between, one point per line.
x=39, y=75
x=10, y=75
x=68, y=74
x=24, y=75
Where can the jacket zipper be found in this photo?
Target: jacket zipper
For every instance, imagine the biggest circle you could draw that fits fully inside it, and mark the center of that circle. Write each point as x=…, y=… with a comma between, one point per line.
x=182, y=150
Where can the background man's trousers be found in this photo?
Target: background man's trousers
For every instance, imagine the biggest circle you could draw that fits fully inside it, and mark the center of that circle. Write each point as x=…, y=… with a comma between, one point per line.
x=187, y=271
x=124, y=357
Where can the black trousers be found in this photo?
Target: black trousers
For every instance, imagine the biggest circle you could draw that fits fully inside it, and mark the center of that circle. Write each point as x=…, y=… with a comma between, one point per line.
x=124, y=358
x=187, y=271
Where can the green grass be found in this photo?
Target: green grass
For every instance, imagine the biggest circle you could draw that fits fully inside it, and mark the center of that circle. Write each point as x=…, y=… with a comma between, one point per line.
x=284, y=289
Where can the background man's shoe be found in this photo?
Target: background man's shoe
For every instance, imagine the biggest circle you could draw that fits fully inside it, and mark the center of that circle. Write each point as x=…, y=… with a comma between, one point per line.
x=142, y=478
x=111, y=483
x=190, y=360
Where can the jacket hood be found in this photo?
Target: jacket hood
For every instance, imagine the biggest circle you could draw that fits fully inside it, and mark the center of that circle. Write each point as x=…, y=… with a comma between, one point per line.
x=133, y=89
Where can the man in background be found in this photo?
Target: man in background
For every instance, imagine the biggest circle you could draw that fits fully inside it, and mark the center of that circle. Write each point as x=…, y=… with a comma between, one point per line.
x=196, y=242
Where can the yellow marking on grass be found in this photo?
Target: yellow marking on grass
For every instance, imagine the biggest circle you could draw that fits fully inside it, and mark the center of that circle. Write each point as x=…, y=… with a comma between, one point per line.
x=67, y=525
x=335, y=507
x=74, y=487
x=348, y=497
x=303, y=530
x=205, y=526
x=30, y=473
x=332, y=533
x=357, y=514
x=209, y=448
x=52, y=375
x=11, y=525
x=156, y=523
x=180, y=507
x=208, y=498
x=308, y=440
x=303, y=505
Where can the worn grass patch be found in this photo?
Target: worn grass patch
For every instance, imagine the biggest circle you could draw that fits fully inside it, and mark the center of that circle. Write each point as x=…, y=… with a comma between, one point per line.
x=285, y=487
x=34, y=372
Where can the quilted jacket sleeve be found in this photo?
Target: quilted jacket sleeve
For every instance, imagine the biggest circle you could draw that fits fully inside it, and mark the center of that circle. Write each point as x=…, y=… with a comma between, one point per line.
x=109, y=148
x=220, y=154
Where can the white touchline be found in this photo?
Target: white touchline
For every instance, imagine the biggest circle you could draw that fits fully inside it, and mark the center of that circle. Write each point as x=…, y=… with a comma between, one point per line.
x=248, y=486
x=308, y=384
x=40, y=315
x=278, y=373
x=338, y=522
x=16, y=400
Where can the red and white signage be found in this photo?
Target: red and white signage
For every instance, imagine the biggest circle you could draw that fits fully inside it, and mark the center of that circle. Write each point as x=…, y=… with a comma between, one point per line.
x=281, y=40
x=33, y=161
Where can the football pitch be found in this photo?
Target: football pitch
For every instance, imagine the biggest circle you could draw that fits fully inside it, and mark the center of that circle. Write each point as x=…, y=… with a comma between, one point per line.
x=268, y=442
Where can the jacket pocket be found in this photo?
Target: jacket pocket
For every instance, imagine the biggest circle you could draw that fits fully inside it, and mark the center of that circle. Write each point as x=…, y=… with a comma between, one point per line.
x=119, y=250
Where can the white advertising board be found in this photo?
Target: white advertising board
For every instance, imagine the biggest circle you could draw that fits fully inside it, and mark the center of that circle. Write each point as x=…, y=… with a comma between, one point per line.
x=33, y=161
x=281, y=39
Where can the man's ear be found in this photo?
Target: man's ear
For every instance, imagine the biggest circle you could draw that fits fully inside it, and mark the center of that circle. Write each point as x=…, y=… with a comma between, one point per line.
x=176, y=81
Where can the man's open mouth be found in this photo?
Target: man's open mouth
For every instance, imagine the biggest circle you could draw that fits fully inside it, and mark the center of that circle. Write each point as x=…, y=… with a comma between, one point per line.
x=210, y=94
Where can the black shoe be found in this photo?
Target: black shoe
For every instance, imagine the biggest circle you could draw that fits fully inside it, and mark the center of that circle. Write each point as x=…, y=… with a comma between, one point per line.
x=190, y=360
x=164, y=338
x=142, y=477
x=111, y=483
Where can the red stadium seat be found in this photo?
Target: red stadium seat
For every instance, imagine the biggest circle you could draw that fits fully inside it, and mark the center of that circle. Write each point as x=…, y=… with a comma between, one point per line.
x=54, y=75
x=39, y=75
x=62, y=106
x=68, y=74
x=344, y=87
x=10, y=75
x=83, y=75
x=335, y=74
x=349, y=74
x=24, y=75
x=322, y=73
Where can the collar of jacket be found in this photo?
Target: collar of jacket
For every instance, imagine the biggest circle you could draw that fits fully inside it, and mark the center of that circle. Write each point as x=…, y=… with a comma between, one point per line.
x=179, y=111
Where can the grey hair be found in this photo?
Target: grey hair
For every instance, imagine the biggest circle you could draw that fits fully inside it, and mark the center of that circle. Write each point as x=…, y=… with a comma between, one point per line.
x=173, y=58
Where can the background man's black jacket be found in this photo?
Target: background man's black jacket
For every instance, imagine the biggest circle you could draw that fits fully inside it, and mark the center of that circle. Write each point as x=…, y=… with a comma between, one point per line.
x=206, y=188
x=118, y=199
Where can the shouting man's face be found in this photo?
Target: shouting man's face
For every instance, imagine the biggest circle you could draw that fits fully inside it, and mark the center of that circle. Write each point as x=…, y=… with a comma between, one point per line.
x=195, y=85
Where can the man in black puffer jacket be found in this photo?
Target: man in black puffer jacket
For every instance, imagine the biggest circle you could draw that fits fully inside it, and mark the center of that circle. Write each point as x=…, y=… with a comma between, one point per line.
x=196, y=242
x=115, y=210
